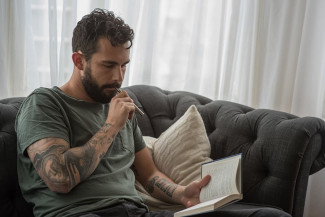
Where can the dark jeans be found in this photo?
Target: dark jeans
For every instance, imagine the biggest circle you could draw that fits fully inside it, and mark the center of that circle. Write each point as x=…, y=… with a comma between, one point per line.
x=246, y=210
x=233, y=210
x=127, y=210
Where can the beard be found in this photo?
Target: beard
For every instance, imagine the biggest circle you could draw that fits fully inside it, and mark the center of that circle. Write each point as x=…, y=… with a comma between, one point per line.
x=94, y=91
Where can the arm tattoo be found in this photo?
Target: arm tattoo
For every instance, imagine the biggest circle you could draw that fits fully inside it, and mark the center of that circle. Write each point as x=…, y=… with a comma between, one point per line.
x=166, y=186
x=151, y=184
x=87, y=161
x=105, y=128
x=60, y=165
x=49, y=164
x=162, y=184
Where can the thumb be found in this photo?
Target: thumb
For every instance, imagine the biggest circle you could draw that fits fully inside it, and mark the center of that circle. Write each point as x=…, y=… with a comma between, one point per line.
x=204, y=181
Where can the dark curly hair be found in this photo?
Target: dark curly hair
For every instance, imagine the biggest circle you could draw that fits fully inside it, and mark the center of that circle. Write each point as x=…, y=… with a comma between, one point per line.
x=99, y=23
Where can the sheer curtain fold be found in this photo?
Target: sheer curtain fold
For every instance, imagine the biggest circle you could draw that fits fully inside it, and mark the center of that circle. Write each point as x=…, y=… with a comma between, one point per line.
x=141, y=67
x=250, y=52
x=53, y=41
x=13, y=48
x=4, y=48
x=309, y=88
x=69, y=15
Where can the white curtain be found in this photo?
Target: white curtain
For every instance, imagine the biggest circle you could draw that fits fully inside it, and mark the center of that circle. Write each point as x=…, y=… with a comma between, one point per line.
x=265, y=54
x=12, y=48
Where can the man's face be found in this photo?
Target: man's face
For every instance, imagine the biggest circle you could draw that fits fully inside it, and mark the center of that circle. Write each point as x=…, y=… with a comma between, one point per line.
x=105, y=71
x=95, y=91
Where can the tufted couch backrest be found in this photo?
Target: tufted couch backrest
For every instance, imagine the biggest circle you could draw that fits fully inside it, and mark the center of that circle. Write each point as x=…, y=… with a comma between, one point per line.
x=279, y=150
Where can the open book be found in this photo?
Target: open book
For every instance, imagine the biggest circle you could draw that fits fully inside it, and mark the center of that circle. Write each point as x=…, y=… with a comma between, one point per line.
x=223, y=188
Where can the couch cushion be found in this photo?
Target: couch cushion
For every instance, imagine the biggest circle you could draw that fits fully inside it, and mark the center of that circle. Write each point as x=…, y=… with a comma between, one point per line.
x=179, y=154
x=180, y=151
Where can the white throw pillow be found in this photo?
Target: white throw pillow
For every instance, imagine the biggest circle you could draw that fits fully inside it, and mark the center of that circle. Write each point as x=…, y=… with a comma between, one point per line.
x=179, y=153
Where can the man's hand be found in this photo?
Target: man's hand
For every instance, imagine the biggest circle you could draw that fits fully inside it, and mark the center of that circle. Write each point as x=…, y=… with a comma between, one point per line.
x=121, y=108
x=191, y=193
x=162, y=187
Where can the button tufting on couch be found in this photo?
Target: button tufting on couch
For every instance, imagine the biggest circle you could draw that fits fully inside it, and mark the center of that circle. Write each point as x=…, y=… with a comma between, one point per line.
x=279, y=150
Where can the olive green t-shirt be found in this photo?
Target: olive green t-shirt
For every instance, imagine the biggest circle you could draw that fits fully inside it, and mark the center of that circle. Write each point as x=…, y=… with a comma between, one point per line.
x=51, y=113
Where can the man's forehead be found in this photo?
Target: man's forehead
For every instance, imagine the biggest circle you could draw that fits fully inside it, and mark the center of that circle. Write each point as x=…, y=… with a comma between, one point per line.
x=107, y=53
x=104, y=42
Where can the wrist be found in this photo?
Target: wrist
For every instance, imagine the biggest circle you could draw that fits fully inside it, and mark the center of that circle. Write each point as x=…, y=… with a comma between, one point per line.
x=109, y=127
x=115, y=123
x=180, y=196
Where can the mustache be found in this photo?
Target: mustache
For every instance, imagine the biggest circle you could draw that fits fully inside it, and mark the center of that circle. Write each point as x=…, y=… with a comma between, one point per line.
x=113, y=85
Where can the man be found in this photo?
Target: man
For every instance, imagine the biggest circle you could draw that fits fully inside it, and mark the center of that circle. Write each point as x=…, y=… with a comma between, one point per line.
x=78, y=143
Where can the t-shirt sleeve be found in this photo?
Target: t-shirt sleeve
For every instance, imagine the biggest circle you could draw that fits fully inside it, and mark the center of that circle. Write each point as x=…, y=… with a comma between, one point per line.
x=137, y=134
x=39, y=117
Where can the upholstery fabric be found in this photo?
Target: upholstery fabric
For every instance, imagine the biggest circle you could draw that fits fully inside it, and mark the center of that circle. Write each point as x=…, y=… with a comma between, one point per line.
x=11, y=200
x=279, y=150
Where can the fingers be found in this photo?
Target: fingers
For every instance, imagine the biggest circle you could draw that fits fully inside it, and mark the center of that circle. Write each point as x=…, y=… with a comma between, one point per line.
x=121, y=108
x=123, y=94
x=192, y=191
x=123, y=97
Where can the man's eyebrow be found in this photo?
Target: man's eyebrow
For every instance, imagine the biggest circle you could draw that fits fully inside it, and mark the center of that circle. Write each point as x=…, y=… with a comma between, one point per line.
x=113, y=62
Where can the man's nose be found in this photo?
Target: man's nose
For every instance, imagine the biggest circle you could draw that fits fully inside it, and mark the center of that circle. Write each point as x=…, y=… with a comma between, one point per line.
x=118, y=74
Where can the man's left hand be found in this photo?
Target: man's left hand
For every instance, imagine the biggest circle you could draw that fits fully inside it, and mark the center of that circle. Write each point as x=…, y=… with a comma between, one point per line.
x=191, y=193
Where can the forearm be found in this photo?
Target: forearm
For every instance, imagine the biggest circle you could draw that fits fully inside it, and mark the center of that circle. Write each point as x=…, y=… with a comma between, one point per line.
x=82, y=161
x=62, y=167
x=163, y=188
x=160, y=186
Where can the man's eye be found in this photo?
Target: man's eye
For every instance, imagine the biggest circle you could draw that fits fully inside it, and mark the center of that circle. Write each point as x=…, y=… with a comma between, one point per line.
x=109, y=66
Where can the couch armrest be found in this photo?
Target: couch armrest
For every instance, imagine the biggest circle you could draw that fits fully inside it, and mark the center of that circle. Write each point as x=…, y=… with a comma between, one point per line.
x=280, y=150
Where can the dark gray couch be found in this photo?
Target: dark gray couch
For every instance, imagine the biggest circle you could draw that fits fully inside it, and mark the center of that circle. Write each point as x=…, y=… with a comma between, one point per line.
x=279, y=150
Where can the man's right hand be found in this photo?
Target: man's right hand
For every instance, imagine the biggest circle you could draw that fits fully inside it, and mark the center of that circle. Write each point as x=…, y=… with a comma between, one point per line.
x=121, y=108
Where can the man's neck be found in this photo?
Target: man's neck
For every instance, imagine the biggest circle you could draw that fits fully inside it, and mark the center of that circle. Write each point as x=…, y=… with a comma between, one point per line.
x=75, y=89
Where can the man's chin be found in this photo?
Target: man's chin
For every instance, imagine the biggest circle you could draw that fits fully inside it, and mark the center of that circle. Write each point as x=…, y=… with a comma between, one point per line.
x=105, y=98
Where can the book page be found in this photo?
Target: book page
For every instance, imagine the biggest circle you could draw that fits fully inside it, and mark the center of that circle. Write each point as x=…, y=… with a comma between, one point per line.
x=223, y=178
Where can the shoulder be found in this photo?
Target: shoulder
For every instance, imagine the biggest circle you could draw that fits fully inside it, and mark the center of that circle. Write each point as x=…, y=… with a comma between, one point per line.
x=39, y=98
x=43, y=93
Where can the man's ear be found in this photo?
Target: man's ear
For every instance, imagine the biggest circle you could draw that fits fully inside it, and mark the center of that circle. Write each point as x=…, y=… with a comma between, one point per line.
x=77, y=59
